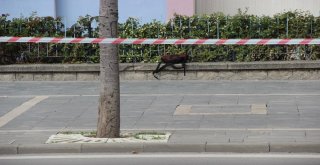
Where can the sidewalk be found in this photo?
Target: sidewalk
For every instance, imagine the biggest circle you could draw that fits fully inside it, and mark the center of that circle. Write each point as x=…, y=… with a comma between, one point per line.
x=217, y=116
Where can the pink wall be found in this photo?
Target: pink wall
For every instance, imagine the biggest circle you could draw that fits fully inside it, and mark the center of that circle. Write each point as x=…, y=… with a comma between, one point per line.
x=181, y=7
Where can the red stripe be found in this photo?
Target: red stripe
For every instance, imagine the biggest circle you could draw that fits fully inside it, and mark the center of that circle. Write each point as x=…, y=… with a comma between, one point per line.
x=118, y=41
x=158, y=41
x=242, y=42
x=180, y=41
x=200, y=41
x=221, y=41
x=76, y=40
x=305, y=41
x=283, y=41
x=35, y=39
x=56, y=40
x=14, y=39
x=97, y=40
x=139, y=41
x=263, y=41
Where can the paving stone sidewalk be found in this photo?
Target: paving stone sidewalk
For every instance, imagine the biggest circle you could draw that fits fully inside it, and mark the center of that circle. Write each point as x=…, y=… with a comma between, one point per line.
x=215, y=112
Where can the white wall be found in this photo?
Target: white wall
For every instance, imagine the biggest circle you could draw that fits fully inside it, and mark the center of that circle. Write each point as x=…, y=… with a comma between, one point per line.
x=258, y=7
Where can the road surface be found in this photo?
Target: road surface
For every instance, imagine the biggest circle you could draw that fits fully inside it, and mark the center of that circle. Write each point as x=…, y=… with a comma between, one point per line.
x=164, y=158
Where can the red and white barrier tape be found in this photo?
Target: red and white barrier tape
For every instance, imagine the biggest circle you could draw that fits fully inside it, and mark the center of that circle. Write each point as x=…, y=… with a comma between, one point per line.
x=149, y=41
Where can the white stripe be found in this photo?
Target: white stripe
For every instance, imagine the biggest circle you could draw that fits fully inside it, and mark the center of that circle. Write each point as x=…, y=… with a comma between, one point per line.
x=231, y=41
x=24, y=39
x=149, y=41
x=190, y=41
x=201, y=94
x=211, y=41
x=66, y=40
x=294, y=41
x=86, y=40
x=45, y=40
x=4, y=39
x=315, y=41
x=171, y=94
x=24, y=96
x=253, y=42
x=128, y=41
x=163, y=155
x=170, y=41
x=273, y=41
x=166, y=129
x=108, y=40
x=20, y=109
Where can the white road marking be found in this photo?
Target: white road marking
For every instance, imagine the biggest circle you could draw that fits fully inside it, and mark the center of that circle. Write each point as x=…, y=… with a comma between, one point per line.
x=24, y=96
x=20, y=109
x=230, y=129
x=162, y=155
x=183, y=110
x=180, y=129
x=255, y=109
x=260, y=109
x=172, y=94
x=223, y=94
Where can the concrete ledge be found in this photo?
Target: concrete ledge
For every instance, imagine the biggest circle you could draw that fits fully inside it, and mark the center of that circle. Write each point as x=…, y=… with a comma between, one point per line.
x=238, y=148
x=48, y=148
x=293, y=147
x=274, y=65
x=274, y=70
x=63, y=68
x=45, y=68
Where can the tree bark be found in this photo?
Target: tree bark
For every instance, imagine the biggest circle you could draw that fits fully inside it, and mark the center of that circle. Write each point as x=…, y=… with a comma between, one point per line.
x=109, y=102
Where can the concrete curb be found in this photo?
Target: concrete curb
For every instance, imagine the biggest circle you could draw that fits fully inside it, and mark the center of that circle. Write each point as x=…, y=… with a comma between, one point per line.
x=293, y=147
x=6, y=149
x=239, y=148
x=71, y=68
x=48, y=148
x=171, y=147
x=270, y=70
x=112, y=147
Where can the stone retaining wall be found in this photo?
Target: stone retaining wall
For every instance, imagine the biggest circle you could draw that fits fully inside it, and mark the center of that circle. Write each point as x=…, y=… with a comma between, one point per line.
x=286, y=70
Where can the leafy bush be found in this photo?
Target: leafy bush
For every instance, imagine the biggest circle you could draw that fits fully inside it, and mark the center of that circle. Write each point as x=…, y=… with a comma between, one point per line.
x=292, y=24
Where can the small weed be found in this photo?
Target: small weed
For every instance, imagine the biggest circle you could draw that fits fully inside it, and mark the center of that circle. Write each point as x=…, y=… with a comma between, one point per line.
x=157, y=138
x=140, y=135
x=84, y=133
x=150, y=136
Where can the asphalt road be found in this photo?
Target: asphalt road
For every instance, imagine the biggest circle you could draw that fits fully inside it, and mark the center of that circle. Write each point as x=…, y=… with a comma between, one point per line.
x=165, y=158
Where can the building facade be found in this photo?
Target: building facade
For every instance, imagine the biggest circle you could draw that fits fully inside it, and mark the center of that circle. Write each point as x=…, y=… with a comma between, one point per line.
x=257, y=7
x=182, y=7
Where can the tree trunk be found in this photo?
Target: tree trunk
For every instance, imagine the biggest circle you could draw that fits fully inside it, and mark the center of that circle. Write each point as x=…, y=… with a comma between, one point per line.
x=109, y=103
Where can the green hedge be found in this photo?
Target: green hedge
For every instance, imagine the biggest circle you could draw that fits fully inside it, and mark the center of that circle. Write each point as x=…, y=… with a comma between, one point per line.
x=293, y=24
